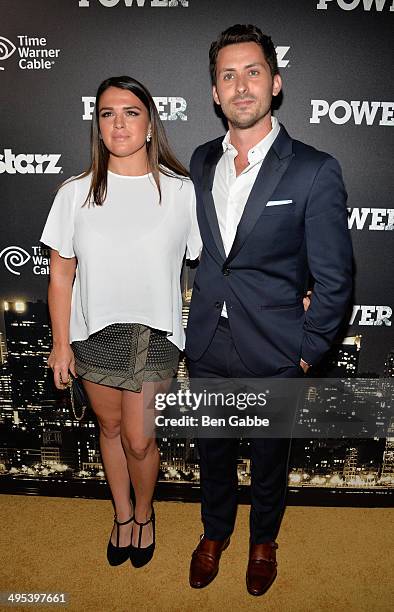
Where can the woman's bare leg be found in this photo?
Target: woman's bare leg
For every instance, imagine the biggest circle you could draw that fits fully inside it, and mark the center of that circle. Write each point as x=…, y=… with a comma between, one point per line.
x=143, y=459
x=107, y=405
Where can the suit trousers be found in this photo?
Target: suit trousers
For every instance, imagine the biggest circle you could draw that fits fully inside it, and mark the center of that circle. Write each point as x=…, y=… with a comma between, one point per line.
x=218, y=457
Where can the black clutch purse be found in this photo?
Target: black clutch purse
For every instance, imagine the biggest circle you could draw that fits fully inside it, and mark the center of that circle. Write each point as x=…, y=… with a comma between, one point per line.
x=79, y=401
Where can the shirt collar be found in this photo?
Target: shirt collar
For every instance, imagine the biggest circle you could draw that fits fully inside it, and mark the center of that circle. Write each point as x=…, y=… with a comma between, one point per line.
x=260, y=150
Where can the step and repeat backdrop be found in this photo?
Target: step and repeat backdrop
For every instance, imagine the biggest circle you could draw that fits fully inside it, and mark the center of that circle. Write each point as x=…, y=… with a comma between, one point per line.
x=335, y=58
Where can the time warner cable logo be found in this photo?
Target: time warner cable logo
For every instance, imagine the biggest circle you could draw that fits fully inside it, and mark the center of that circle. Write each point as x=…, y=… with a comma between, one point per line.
x=33, y=52
x=15, y=256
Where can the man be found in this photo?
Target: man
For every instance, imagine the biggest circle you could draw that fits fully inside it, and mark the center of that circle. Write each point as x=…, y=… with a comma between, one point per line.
x=271, y=211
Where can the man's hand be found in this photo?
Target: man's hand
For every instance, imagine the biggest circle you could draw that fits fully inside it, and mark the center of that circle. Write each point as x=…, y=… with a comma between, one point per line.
x=307, y=300
x=305, y=366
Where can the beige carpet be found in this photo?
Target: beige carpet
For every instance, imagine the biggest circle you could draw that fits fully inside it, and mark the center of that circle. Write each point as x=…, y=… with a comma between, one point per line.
x=330, y=559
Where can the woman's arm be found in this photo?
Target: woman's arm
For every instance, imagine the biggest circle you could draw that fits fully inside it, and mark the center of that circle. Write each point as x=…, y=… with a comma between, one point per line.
x=61, y=359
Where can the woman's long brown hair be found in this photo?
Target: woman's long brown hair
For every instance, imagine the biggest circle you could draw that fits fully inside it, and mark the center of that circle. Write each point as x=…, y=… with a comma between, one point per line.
x=160, y=157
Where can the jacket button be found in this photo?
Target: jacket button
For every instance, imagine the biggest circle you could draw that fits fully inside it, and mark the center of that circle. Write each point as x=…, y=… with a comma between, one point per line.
x=218, y=304
x=226, y=272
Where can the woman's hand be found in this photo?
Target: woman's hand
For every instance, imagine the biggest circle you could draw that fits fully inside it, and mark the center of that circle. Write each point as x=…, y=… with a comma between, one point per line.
x=61, y=360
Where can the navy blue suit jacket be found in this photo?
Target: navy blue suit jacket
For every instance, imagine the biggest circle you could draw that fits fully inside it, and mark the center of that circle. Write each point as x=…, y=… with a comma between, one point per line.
x=264, y=277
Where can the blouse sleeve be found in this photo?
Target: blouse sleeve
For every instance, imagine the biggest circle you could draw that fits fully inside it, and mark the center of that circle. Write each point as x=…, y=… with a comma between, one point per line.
x=59, y=228
x=194, y=243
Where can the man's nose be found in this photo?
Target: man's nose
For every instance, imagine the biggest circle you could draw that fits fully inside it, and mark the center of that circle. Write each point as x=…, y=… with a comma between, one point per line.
x=241, y=85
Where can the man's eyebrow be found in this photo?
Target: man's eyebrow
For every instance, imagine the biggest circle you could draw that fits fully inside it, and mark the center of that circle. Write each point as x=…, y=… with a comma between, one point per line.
x=245, y=67
x=254, y=64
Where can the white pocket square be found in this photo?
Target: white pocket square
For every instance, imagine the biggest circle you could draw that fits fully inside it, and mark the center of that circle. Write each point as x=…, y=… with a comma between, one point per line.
x=279, y=202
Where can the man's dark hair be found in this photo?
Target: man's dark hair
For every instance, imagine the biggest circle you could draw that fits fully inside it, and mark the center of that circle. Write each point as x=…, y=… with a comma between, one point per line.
x=241, y=33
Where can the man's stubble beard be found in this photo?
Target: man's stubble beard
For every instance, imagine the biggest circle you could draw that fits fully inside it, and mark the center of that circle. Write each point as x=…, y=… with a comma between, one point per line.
x=244, y=125
x=247, y=122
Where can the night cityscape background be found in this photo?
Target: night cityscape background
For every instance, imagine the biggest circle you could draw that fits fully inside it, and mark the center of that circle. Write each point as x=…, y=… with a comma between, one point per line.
x=40, y=441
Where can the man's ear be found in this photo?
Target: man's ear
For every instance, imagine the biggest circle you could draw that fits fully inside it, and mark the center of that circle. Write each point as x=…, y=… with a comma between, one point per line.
x=215, y=95
x=276, y=84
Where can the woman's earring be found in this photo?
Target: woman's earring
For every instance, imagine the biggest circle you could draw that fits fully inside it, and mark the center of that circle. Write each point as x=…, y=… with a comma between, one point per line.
x=148, y=136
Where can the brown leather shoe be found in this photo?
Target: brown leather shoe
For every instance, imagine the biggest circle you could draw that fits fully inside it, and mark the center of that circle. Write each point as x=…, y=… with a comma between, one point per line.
x=205, y=561
x=261, y=567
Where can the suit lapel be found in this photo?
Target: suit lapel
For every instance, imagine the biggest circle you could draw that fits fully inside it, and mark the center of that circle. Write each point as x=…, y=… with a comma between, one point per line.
x=208, y=174
x=272, y=169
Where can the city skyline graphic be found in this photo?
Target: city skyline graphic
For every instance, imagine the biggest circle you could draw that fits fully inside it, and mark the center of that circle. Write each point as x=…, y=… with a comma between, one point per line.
x=41, y=441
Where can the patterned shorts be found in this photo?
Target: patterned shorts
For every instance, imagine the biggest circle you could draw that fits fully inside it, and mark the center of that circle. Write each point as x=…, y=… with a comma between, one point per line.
x=124, y=355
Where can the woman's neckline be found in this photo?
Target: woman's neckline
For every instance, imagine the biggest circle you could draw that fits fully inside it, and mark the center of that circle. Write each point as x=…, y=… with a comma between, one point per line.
x=129, y=176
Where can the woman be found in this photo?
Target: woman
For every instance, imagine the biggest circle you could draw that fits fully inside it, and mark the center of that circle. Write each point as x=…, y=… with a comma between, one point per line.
x=118, y=235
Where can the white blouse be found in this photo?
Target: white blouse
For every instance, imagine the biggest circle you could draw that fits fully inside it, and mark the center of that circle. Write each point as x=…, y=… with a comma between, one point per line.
x=129, y=251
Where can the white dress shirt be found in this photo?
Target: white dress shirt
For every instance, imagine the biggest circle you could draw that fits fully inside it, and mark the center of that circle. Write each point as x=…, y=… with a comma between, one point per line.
x=230, y=192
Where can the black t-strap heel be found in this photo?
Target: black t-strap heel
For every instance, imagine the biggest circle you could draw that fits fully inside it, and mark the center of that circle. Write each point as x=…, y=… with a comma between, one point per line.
x=141, y=556
x=117, y=555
